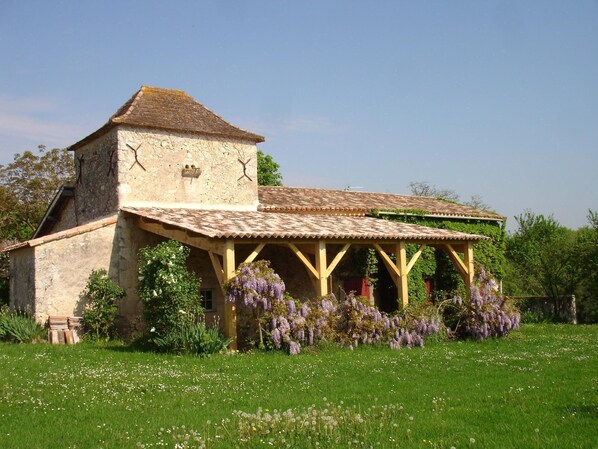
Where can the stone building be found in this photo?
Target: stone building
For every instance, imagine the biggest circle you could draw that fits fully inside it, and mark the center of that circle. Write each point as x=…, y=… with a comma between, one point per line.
x=166, y=167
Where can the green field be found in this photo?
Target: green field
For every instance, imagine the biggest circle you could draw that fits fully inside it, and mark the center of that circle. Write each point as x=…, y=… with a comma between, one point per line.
x=538, y=388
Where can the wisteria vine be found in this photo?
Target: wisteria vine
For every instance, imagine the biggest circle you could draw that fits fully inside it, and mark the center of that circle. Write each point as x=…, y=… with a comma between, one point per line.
x=286, y=323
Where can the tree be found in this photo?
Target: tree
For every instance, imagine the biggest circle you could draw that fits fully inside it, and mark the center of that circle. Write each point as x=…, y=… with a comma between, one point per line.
x=267, y=170
x=543, y=257
x=424, y=188
x=547, y=259
x=588, y=259
x=27, y=186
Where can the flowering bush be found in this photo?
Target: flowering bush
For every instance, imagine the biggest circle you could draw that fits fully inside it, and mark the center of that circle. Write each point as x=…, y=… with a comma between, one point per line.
x=258, y=288
x=169, y=292
x=285, y=323
x=101, y=295
x=488, y=314
x=195, y=338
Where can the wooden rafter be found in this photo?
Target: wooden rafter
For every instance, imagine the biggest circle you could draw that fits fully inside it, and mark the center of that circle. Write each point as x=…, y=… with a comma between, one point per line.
x=415, y=257
x=457, y=261
x=255, y=253
x=337, y=259
x=464, y=266
x=217, y=269
x=305, y=260
x=390, y=265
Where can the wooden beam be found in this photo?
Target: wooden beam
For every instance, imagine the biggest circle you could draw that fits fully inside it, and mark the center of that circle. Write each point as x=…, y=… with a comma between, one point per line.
x=337, y=259
x=415, y=257
x=390, y=265
x=217, y=269
x=305, y=260
x=321, y=268
x=255, y=253
x=401, y=253
x=230, y=312
x=459, y=264
x=180, y=236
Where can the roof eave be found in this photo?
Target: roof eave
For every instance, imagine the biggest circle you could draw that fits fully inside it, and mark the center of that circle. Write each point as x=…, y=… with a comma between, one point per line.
x=254, y=138
x=432, y=215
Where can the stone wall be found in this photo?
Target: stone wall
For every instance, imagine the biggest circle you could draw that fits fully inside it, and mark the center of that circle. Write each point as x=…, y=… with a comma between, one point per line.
x=129, y=239
x=62, y=269
x=96, y=185
x=562, y=309
x=68, y=219
x=22, y=279
x=164, y=168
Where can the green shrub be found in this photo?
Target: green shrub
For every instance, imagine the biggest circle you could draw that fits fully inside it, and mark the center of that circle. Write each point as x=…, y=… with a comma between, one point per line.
x=19, y=327
x=101, y=295
x=194, y=338
x=169, y=292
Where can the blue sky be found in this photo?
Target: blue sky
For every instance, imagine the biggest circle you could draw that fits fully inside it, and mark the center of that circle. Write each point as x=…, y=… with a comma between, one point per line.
x=493, y=98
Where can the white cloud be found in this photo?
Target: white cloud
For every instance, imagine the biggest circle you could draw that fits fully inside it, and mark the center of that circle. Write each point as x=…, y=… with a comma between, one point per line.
x=39, y=120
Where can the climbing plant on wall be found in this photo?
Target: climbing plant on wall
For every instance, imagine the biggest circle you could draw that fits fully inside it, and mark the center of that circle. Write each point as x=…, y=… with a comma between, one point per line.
x=489, y=254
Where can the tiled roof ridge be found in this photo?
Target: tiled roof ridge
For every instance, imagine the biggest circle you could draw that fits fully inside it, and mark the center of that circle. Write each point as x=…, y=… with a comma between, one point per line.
x=137, y=98
x=310, y=199
x=347, y=192
x=161, y=111
x=126, y=108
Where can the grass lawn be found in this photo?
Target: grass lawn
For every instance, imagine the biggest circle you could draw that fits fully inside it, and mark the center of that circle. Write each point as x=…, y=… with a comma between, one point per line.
x=538, y=388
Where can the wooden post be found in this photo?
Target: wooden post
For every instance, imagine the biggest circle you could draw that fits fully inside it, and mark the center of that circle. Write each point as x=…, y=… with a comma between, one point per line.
x=230, y=312
x=321, y=268
x=468, y=278
x=398, y=270
x=401, y=254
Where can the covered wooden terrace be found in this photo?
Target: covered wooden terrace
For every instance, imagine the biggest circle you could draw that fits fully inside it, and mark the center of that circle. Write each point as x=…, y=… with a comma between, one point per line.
x=319, y=241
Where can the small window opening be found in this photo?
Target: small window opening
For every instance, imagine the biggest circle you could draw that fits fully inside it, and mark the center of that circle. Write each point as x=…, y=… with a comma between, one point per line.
x=207, y=299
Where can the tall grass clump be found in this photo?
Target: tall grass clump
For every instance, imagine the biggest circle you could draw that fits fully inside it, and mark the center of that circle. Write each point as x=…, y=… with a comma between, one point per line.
x=19, y=327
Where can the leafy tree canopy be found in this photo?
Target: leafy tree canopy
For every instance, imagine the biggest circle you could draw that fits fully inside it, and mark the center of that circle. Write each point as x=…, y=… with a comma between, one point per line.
x=541, y=254
x=545, y=258
x=268, y=173
x=27, y=185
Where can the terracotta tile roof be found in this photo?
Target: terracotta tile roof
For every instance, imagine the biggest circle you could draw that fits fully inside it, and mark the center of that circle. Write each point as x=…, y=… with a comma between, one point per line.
x=300, y=199
x=272, y=225
x=170, y=110
x=92, y=226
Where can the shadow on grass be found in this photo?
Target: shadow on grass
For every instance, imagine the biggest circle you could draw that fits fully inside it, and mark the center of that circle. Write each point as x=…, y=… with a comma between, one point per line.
x=583, y=411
